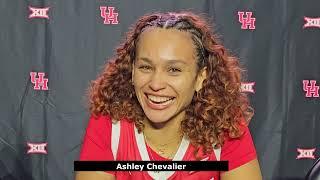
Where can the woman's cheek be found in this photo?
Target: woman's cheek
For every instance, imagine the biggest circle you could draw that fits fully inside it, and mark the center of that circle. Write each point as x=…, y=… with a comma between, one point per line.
x=182, y=82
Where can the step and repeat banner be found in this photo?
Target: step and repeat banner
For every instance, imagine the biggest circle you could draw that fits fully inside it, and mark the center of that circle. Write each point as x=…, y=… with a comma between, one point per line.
x=51, y=49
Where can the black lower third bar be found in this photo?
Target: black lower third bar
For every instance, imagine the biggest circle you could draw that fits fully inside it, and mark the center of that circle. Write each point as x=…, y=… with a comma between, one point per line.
x=151, y=166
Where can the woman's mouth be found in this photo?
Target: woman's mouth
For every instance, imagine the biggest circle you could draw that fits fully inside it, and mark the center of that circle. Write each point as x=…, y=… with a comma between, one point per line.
x=159, y=102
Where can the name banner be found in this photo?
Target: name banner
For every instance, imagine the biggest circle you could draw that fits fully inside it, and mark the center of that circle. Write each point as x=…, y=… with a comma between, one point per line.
x=151, y=166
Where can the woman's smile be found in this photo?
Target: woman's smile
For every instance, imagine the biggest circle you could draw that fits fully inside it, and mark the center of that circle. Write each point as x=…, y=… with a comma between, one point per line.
x=158, y=102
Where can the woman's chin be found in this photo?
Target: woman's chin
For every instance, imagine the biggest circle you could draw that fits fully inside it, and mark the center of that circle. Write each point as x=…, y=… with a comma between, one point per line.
x=157, y=121
x=158, y=116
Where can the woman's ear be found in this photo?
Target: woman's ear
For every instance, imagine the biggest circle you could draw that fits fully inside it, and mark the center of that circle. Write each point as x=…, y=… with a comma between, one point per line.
x=202, y=75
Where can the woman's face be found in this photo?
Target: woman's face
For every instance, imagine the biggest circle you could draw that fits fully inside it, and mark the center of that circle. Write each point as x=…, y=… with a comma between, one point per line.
x=165, y=73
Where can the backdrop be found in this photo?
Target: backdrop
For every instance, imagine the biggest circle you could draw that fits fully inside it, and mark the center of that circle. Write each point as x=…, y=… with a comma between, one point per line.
x=51, y=49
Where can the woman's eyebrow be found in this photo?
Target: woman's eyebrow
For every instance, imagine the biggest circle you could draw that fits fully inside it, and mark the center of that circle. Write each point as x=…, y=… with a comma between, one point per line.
x=145, y=59
x=176, y=61
x=170, y=61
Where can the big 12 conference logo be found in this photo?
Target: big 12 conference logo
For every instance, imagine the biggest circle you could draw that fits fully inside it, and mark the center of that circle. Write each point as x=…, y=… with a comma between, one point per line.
x=37, y=148
x=310, y=87
x=40, y=81
x=109, y=17
x=248, y=87
x=306, y=153
x=38, y=12
x=248, y=21
x=311, y=22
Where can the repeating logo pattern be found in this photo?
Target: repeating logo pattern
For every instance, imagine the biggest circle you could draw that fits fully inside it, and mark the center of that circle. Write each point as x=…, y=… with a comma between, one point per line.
x=310, y=87
x=306, y=153
x=38, y=12
x=37, y=148
x=311, y=22
x=40, y=83
x=247, y=22
x=110, y=17
x=248, y=87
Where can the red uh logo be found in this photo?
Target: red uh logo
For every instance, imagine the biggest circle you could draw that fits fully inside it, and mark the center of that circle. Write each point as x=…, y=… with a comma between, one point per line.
x=311, y=90
x=109, y=18
x=248, y=21
x=39, y=12
x=40, y=81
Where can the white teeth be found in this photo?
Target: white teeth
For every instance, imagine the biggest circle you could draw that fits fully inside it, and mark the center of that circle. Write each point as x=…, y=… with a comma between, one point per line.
x=158, y=99
x=167, y=102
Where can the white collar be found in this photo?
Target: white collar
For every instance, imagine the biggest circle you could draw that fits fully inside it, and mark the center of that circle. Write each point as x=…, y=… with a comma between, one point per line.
x=145, y=156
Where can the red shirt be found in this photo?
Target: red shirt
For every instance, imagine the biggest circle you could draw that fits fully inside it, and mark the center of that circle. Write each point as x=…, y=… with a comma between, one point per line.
x=97, y=146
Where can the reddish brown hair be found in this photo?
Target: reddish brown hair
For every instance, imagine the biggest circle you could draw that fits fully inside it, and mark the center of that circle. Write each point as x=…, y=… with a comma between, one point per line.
x=215, y=111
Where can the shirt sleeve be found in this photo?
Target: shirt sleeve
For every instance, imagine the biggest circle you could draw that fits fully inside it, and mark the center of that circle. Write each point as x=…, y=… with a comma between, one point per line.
x=239, y=151
x=97, y=140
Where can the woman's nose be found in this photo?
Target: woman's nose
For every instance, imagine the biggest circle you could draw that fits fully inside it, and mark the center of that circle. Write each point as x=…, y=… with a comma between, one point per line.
x=157, y=82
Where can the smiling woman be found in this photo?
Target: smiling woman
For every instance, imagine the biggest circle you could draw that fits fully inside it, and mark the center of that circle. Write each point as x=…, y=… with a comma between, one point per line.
x=171, y=93
x=165, y=74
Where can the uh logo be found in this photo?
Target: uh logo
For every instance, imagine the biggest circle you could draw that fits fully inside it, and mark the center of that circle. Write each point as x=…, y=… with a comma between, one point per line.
x=40, y=83
x=109, y=17
x=247, y=22
x=310, y=87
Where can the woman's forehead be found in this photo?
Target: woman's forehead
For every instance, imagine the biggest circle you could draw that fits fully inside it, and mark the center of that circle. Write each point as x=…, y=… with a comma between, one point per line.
x=165, y=44
x=157, y=32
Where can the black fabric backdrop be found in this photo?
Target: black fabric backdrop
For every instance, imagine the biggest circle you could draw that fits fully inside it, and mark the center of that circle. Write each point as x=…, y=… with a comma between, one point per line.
x=72, y=45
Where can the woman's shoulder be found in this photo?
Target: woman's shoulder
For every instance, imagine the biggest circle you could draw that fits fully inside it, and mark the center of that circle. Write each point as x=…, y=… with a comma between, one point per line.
x=98, y=124
x=239, y=150
x=105, y=120
x=244, y=136
x=100, y=117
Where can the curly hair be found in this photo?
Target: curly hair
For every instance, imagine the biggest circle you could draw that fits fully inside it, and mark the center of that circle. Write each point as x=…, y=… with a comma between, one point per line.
x=217, y=111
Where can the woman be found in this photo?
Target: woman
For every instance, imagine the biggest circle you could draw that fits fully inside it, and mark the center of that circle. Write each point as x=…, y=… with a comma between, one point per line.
x=172, y=93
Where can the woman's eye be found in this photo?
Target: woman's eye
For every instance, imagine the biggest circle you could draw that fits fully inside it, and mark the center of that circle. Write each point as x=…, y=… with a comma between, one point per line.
x=144, y=67
x=174, y=70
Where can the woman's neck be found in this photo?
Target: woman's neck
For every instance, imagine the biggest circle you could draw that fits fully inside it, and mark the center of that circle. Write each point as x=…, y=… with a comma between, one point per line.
x=162, y=133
